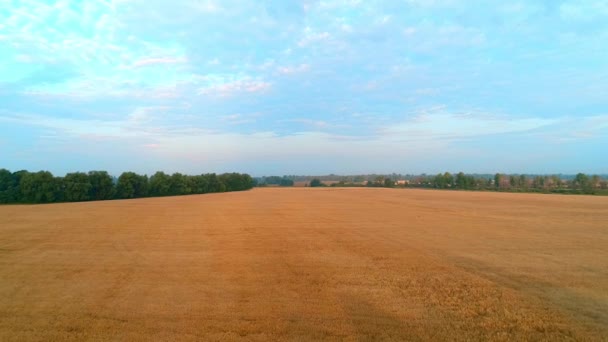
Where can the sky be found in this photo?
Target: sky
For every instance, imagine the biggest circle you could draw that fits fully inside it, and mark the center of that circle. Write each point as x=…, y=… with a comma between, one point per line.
x=304, y=87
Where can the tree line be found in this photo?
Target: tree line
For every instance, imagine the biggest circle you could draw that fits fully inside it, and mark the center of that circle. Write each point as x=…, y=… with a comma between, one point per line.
x=42, y=187
x=273, y=181
x=579, y=184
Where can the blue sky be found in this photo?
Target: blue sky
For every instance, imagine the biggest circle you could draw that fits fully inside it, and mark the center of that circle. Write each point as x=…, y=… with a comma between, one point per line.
x=304, y=87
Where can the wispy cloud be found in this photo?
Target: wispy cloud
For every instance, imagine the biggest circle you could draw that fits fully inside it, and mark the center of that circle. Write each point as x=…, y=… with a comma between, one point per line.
x=318, y=124
x=240, y=119
x=442, y=124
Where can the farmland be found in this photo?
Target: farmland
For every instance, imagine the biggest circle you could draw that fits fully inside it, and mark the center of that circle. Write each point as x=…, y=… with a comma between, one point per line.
x=307, y=264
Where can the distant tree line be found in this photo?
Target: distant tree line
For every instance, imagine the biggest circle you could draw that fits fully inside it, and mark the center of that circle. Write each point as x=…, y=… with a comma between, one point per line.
x=42, y=187
x=578, y=184
x=274, y=181
x=380, y=182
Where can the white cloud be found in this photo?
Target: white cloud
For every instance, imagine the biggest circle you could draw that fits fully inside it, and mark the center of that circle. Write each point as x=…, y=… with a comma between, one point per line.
x=318, y=124
x=90, y=39
x=110, y=87
x=75, y=127
x=141, y=122
x=438, y=123
x=576, y=128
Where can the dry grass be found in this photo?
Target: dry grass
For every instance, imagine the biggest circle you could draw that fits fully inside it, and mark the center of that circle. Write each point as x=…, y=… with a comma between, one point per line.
x=307, y=264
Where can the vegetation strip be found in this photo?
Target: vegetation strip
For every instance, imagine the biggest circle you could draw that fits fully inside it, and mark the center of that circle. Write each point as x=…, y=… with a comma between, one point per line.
x=562, y=184
x=43, y=187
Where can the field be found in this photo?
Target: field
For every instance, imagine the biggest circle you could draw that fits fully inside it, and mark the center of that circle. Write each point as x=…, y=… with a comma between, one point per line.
x=307, y=264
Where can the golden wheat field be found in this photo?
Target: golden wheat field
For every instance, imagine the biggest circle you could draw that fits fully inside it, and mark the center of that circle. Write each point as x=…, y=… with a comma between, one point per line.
x=307, y=264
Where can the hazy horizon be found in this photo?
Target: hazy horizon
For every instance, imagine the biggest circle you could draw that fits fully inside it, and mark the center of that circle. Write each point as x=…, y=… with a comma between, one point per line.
x=304, y=87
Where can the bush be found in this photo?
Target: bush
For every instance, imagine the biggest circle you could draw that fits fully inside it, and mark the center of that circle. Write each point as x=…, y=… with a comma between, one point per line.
x=316, y=183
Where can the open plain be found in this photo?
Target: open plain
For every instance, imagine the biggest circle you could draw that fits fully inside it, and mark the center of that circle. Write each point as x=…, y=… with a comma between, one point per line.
x=307, y=264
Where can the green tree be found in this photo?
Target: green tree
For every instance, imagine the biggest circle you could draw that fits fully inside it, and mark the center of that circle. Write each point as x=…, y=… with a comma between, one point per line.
x=471, y=182
x=389, y=183
x=512, y=181
x=102, y=185
x=8, y=187
x=160, y=184
x=238, y=182
x=556, y=181
x=581, y=179
x=442, y=181
x=214, y=184
x=315, y=183
x=286, y=182
x=131, y=185
x=502, y=182
x=76, y=187
x=39, y=187
x=200, y=184
x=583, y=183
x=449, y=179
x=538, y=182
x=438, y=181
x=17, y=176
x=461, y=180
x=179, y=184
x=523, y=182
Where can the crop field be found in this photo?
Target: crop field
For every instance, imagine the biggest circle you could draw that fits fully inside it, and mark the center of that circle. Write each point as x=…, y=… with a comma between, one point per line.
x=307, y=264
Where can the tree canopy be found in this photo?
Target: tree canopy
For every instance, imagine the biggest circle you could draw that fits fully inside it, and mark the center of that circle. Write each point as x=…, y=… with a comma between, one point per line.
x=43, y=187
x=315, y=183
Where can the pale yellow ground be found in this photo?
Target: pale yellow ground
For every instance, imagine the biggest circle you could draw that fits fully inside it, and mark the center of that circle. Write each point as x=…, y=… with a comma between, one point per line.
x=307, y=264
